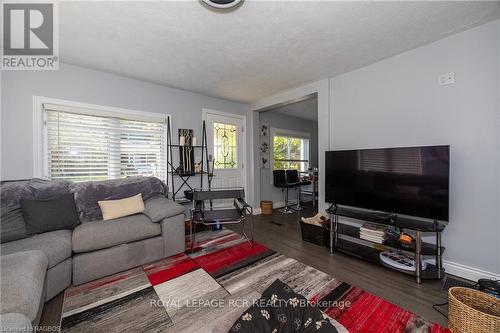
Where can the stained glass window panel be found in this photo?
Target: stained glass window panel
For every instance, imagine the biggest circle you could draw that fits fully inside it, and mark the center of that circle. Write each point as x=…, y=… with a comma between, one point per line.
x=225, y=146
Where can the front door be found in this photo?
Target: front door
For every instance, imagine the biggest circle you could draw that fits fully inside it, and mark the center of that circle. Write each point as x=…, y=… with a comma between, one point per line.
x=226, y=145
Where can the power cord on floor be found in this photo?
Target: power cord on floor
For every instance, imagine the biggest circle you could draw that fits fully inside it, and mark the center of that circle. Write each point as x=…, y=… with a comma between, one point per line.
x=435, y=307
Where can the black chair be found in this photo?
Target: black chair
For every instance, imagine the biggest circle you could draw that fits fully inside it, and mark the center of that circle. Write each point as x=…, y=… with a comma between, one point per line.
x=280, y=180
x=292, y=176
x=215, y=214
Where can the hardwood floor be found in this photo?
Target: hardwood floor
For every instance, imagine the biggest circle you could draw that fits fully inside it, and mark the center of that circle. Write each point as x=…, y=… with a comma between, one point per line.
x=51, y=313
x=281, y=232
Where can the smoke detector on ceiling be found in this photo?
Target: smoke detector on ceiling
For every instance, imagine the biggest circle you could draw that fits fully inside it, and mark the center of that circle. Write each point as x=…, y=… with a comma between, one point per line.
x=222, y=4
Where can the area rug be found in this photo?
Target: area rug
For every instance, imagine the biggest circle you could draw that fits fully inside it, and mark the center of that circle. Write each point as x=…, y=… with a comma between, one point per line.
x=207, y=290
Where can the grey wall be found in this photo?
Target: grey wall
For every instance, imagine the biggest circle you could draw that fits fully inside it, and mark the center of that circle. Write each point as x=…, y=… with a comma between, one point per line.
x=398, y=102
x=277, y=120
x=89, y=86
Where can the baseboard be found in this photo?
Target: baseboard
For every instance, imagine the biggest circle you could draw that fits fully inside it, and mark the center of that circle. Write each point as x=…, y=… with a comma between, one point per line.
x=467, y=272
x=257, y=211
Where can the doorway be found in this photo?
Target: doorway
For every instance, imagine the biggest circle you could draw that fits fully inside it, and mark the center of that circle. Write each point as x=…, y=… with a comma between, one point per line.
x=288, y=139
x=226, y=147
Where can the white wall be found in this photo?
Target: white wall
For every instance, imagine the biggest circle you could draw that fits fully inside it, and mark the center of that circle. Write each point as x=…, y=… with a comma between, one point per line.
x=397, y=102
x=281, y=121
x=89, y=86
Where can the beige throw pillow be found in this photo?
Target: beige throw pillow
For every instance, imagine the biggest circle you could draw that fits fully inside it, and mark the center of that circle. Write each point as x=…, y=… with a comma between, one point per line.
x=113, y=209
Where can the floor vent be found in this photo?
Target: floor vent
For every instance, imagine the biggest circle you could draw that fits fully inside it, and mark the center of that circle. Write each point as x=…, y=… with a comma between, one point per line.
x=453, y=281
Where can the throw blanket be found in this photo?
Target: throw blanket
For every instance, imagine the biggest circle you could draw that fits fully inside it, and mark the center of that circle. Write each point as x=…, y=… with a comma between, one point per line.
x=87, y=194
x=281, y=310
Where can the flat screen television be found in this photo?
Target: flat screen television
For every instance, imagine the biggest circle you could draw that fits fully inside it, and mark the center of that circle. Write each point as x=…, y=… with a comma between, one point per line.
x=411, y=181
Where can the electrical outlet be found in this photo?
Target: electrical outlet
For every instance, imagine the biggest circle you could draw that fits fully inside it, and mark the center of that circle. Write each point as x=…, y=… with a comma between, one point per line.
x=445, y=79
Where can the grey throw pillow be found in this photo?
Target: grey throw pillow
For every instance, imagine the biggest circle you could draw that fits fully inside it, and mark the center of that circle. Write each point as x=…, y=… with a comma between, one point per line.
x=49, y=215
x=13, y=225
x=160, y=208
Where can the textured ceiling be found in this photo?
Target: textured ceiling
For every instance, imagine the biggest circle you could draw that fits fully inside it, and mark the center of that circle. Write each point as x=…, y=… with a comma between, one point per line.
x=306, y=109
x=256, y=50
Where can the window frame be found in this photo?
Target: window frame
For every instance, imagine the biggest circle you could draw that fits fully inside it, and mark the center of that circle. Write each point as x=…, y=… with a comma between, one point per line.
x=289, y=133
x=40, y=135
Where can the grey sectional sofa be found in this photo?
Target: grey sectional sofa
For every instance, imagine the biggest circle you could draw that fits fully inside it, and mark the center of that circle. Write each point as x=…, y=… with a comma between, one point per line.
x=51, y=261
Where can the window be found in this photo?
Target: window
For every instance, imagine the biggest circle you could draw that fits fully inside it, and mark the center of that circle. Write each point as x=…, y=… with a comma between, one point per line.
x=225, y=154
x=85, y=146
x=290, y=151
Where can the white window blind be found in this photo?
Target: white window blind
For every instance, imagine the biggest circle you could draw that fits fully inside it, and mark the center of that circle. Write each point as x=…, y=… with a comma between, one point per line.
x=84, y=146
x=290, y=152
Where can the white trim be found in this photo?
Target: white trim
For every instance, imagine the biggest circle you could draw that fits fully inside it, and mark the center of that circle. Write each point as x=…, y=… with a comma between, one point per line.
x=467, y=272
x=243, y=120
x=40, y=165
x=221, y=113
x=288, y=132
x=38, y=138
x=101, y=110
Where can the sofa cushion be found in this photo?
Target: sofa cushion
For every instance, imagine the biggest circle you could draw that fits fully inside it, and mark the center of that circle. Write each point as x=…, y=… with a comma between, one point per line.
x=96, y=235
x=22, y=282
x=55, y=244
x=160, y=208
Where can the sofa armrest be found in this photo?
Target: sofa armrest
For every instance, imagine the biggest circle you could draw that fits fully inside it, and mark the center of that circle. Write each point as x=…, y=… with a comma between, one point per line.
x=160, y=208
x=15, y=322
x=173, y=234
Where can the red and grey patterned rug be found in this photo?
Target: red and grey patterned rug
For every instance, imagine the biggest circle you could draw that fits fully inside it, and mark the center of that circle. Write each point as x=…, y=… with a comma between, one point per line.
x=206, y=291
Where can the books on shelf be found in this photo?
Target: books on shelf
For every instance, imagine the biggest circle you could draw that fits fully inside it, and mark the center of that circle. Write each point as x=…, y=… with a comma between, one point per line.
x=373, y=233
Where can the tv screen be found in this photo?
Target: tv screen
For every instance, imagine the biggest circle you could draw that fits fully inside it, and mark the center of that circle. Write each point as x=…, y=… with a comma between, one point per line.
x=411, y=181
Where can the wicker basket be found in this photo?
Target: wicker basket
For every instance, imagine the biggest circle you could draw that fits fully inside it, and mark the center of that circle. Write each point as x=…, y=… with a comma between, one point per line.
x=266, y=207
x=472, y=311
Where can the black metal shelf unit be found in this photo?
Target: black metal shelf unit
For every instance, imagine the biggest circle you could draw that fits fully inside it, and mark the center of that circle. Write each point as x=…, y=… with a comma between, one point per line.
x=174, y=172
x=350, y=242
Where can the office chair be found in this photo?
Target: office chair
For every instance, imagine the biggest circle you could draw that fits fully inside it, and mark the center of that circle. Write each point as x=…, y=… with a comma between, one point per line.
x=212, y=214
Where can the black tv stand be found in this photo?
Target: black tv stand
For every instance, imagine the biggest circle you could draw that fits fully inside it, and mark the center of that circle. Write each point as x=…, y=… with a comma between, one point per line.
x=345, y=238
